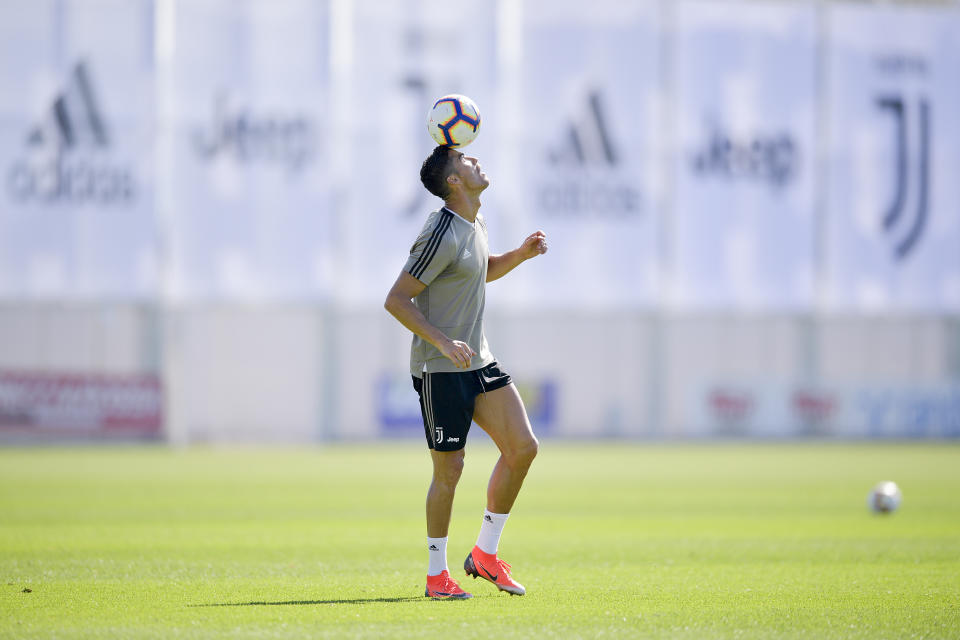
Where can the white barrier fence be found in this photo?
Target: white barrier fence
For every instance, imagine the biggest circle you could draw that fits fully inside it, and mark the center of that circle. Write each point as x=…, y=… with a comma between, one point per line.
x=229, y=373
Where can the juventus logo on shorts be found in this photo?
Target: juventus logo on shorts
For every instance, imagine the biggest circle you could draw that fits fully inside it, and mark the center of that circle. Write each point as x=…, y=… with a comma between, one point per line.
x=438, y=435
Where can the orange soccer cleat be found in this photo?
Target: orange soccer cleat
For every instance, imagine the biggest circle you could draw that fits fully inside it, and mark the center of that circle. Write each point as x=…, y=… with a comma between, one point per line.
x=489, y=567
x=443, y=587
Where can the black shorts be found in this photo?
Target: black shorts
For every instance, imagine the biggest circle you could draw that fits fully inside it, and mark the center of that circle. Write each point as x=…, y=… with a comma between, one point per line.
x=446, y=403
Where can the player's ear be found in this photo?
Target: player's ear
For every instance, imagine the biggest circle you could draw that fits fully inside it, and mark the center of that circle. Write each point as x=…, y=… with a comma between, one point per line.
x=453, y=179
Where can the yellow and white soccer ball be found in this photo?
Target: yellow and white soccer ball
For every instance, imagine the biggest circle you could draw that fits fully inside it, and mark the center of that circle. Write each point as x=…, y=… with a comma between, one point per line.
x=454, y=120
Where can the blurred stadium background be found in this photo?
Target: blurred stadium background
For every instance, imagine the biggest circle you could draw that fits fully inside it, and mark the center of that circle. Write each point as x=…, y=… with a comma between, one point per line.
x=753, y=210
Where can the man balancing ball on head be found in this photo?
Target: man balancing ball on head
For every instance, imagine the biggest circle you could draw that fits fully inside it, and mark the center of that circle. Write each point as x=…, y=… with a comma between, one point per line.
x=439, y=296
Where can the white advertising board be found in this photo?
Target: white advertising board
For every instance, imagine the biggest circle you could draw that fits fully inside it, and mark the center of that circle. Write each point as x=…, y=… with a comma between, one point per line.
x=892, y=239
x=743, y=234
x=583, y=127
x=76, y=150
x=247, y=201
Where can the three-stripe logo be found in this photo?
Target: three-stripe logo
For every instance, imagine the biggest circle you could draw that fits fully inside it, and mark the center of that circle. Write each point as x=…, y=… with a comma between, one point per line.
x=588, y=141
x=75, y=116
x=433, y=243
x=64, y=159
x=585, y=172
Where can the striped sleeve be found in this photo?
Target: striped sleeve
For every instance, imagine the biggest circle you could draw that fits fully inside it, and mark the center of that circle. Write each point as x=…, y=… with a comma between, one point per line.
x=433, y=250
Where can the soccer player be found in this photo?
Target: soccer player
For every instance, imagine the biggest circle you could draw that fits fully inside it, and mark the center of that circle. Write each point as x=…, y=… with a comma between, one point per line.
x=439, y=296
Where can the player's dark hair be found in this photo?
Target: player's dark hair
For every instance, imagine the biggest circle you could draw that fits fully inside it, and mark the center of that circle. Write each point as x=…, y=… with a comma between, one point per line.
x=434, y=172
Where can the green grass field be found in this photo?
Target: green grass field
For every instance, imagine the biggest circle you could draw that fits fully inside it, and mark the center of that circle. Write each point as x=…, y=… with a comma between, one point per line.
x=611, y=540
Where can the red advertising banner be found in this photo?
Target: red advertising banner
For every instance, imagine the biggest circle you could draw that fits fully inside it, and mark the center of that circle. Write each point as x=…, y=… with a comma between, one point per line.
x=81, y=405
x=789, y=409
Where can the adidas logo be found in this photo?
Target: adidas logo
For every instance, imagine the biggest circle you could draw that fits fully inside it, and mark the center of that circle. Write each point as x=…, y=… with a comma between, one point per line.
x=584, y=176
x=588, y=141
x=466, y=254
x=64, y=155
x=488, y=518
x=75, y=119
x=434, y=547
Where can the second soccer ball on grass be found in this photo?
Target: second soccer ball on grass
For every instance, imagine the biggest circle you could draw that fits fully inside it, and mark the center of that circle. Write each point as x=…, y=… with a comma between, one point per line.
x=885, y=497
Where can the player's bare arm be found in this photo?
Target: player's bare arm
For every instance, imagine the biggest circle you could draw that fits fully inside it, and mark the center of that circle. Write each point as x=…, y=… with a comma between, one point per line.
x=399, y=303
x=500, y=265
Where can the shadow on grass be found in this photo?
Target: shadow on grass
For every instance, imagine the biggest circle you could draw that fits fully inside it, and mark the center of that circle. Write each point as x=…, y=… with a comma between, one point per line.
x=307, y=602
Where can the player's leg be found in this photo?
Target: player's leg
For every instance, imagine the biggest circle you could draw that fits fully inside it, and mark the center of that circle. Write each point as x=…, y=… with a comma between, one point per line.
x=501, y=414
x=446, y=421
x=447, y=467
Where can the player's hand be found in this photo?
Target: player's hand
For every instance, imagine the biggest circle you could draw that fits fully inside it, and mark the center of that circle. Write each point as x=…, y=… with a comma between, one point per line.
x=457, y=352
x=534, y=245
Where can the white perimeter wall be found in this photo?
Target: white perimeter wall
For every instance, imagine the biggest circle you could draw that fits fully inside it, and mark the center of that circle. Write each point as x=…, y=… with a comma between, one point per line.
x=300, y=374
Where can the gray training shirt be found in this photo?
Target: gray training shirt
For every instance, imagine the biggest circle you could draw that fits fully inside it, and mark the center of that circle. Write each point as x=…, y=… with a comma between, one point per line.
x=450, y=257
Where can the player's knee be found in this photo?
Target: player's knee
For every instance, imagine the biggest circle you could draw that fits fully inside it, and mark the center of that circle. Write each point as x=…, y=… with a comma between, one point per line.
x=450, y=468
x=532, y=448
x=525, y=452
x=450, y=475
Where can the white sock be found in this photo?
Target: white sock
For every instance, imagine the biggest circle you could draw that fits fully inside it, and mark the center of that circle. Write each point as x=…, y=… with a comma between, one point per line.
x=490, y=530
x=437, y=552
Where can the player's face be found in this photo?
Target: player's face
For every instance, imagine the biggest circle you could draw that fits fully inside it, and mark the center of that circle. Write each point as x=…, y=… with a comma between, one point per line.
x=468, y=168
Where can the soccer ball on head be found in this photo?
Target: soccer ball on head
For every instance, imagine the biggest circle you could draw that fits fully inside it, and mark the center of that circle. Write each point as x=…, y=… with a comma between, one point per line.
x=885, y=497
x=454, y=120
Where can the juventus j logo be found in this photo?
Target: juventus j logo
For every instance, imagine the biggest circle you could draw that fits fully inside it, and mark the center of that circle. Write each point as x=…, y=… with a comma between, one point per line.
x=438, y=435
x=896, y=106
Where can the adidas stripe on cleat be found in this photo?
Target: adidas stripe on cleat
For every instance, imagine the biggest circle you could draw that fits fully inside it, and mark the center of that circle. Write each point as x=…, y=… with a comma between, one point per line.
x=443, y=587
x=489, y=567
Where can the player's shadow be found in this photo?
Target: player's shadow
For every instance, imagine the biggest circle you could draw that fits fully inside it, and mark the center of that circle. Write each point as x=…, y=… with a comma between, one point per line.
x=264, y=603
